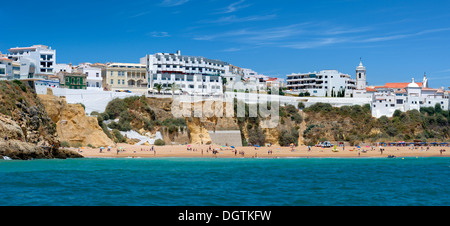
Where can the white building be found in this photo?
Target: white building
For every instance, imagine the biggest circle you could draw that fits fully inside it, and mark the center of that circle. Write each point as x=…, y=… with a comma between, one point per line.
x=63, y=67
x=6, y=69
x=36, y=61
x=404, y=97
x=322, y=83
x=191, y=74
x=93, y=75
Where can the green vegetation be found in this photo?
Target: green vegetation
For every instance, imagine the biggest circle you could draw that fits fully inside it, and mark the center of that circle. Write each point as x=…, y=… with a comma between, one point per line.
x=135, y=113
x=355, y=124
x=160, y=142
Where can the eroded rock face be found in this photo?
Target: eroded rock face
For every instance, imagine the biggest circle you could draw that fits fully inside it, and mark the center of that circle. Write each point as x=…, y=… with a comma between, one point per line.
x=14, y=146
x=72, y=124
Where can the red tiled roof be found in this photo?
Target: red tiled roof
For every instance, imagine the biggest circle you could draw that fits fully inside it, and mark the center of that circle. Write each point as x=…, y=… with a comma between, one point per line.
x=429, y=89
x=370, y=89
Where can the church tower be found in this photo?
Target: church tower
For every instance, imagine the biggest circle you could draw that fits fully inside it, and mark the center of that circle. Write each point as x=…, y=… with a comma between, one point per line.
x=425, y=81
x=361, y=77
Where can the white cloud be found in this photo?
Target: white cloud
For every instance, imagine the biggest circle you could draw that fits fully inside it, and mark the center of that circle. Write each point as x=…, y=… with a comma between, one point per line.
x=234, y=19
x=315, y=43
x=401, y=36
x=158, y=34
x=233, y=49
x=170, y=3
x=234, y=7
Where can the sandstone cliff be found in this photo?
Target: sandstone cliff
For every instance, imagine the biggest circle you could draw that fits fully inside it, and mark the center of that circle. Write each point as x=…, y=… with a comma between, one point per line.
x=26, y=131
x=72, y=124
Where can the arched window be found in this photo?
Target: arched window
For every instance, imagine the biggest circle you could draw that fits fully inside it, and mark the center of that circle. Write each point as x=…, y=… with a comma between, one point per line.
x=359, y=75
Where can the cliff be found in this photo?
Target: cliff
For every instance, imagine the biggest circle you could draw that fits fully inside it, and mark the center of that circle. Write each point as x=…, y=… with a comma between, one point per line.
x=72, y=124
x=26, y=131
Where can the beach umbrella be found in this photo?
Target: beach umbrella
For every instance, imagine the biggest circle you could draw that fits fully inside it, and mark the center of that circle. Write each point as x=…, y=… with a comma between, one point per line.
x=232, y=147
x=102, y=147
x=189, y=145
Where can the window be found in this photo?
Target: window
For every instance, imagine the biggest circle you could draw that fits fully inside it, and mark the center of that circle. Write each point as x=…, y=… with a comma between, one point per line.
x=359, y=75
x=123, y=81
x=97, y=75
x=112, y=81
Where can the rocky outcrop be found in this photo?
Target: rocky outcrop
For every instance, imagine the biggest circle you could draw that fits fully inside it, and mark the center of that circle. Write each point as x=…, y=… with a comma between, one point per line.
x=72, y=124
x=16, y=149
x=200, y=127
x=14, y=146
x=26, y=131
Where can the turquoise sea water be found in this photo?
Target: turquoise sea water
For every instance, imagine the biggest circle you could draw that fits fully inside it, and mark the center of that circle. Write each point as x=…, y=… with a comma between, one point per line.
x=226, y=182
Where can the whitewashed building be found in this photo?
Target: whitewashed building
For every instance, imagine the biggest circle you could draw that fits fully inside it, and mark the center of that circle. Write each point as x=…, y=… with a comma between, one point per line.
x=191, y=74
x=404, y=97
x=63, y=68
x=321, y=84
x=93, y=75
x=37, y=61
x=6, y=69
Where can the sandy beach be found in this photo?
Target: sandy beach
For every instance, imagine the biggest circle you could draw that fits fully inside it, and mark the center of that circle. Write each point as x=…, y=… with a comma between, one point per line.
x=203, y=151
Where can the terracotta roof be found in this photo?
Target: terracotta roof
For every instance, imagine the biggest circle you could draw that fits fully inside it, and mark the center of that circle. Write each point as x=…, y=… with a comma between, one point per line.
x=370, y=89
x=272, y=79
x=429, y=89
x=19, y=48
x=400, y=85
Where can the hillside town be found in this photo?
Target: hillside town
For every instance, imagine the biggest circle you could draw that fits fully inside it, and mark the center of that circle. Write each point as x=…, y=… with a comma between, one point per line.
x=163, y=74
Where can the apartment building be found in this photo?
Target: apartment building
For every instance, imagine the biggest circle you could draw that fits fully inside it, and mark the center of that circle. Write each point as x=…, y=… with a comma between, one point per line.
x=323, y=83
x=93, y=75
x=126, y=76
x=6, y=69
x=37, y=61
x=191, y=74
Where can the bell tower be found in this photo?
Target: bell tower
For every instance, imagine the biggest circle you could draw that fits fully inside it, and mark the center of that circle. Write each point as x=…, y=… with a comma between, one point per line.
x=361, y=76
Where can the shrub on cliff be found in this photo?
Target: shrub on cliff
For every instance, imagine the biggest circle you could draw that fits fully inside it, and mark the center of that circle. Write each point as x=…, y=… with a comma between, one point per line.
x=160, y=142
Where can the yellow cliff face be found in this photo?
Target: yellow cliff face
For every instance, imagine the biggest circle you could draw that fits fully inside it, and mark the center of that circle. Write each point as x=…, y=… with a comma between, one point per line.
x=72, y=124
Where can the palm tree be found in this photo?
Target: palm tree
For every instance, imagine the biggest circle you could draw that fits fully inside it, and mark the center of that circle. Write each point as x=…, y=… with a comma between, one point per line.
x=158, y=87
x=174, y=87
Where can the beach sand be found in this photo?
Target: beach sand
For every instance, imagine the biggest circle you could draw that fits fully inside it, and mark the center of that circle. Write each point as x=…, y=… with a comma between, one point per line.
x=261, y=152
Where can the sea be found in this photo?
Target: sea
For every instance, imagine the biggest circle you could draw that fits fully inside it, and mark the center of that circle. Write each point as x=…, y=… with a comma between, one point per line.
x=226, y=182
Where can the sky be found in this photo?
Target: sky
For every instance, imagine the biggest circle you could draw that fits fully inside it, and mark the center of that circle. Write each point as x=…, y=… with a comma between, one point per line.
x=396, y=40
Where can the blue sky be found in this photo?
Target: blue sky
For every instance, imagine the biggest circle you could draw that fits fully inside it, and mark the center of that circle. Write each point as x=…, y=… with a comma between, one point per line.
x=397, y=40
